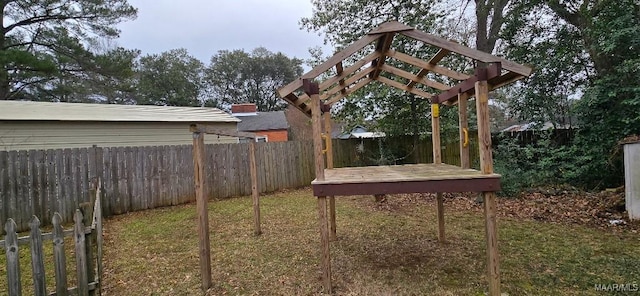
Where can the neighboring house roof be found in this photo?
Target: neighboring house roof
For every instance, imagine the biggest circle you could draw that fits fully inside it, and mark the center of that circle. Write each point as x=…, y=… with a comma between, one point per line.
x=533, y=126
x=359, y=132
x=263, y=121
x=24, y=110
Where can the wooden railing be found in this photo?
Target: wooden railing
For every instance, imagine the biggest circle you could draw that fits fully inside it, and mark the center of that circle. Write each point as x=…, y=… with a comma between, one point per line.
x=87, y=248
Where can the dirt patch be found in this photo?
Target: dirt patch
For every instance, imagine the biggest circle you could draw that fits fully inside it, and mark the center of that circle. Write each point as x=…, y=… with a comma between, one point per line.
x=605, y=209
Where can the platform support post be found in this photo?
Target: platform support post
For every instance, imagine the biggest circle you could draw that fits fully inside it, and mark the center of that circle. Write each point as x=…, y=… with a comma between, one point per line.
x=329, y=154
x=324, y=244
x=486, y=164
x=437, y=159
x=204, y=247
x=463, y=121
x=312, y=90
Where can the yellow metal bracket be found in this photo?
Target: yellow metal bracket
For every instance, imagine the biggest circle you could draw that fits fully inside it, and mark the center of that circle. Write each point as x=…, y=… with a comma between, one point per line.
x=326, y=143
x=465, y=131
x=435, y=110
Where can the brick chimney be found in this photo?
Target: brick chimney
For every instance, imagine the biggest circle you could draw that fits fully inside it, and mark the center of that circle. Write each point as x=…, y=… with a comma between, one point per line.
x=243, y=108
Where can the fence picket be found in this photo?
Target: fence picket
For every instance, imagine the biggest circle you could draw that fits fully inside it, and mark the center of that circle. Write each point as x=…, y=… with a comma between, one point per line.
x=136, y=178
x=60, y=260
x=13, y=256
x=37, y=261
x=4, y=179
x=81, y=254
x=97, y=212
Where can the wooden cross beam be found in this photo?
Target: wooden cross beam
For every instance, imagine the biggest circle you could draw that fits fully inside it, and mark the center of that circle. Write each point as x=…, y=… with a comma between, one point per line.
x=492, y=72
x=382, y=47
x=414, y=79
x=339, y=71
x=425, y=65
x=433, y=61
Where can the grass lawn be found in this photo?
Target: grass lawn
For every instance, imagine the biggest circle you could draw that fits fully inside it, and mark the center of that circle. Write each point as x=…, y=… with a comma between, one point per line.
x=380, y=251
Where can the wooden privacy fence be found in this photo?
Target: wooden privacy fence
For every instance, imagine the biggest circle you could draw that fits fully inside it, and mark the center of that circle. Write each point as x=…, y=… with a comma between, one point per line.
x=87, y=246
x=397, y=150
x=41, y=182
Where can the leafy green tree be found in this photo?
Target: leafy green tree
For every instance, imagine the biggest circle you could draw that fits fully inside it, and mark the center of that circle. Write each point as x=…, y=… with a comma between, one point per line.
x=42, y=43
x=171, y=78
x=589, y=50
x=241, y=77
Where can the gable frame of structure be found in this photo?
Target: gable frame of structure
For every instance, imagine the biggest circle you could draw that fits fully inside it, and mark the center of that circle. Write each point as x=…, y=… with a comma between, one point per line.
x=348, y=80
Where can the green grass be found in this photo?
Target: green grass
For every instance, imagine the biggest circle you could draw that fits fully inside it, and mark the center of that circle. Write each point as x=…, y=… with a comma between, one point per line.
x=378, y=252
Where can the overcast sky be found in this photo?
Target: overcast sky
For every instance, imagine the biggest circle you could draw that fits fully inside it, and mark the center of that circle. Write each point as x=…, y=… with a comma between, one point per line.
x=204, y=27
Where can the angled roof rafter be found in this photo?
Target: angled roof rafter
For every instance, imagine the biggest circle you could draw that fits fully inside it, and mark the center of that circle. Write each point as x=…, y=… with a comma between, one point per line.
x=414, y=79
x=403, y=57
x=433, y=61
x=382, y=47
x=466, y=51
x=401, y=86
x=349, y=91
x=339, y=71
x=330, y=63
x=348, y=80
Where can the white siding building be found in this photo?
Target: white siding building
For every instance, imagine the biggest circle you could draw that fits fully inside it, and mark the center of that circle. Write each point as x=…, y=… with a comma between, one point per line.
x=43, y=125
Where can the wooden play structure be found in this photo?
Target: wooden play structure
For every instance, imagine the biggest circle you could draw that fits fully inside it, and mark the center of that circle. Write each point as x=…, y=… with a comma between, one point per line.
x=204, y=246
x=436, y=83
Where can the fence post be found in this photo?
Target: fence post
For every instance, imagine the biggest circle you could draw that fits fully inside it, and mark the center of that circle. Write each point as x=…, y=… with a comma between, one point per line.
x=60, y=260
x=97, y=220
x=255, y=194
x=13, y=264
x=81, y=255
x=37, y=263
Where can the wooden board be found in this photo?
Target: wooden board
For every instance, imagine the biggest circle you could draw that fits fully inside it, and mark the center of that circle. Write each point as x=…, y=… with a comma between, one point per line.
x=398, y=173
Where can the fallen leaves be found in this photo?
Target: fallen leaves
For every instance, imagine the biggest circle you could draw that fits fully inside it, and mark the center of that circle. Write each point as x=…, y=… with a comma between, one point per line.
x=561, y=204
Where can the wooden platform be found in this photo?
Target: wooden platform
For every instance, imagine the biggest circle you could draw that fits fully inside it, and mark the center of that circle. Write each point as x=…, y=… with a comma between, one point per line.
x=412, y=178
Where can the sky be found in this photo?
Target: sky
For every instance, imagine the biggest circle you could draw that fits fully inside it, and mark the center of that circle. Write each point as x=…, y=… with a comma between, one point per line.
x=204, y=27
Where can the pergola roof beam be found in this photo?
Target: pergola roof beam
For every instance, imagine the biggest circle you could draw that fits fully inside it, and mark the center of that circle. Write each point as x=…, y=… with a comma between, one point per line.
x=330, y=63
x=425, y=65
x=345, y=72
x=413, y=79
x=490, y=73
x=466, y=51
x=349, y=91
x=433, y=61
x=382, y=47
x=339, y=70
x=403, y=87
x=351, y=80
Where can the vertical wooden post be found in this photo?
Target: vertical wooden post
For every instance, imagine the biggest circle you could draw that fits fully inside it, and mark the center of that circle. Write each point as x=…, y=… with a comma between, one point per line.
x=97, y=212
x=255, y=195
x=311, y=88
x=437, y=159
x=435, y=133
x=37, y=262
x=463, y=120
x=486, y=165
x=60, y=263
x=332, y=199
x=13, y=258
x=81, y=255
x=202, y=209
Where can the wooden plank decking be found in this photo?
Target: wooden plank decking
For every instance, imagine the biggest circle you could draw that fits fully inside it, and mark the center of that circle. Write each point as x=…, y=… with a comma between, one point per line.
x=413, y=178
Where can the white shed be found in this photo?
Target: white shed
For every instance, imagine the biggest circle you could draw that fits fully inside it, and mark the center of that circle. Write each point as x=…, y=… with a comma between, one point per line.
x=632, y=176
x=44, y=125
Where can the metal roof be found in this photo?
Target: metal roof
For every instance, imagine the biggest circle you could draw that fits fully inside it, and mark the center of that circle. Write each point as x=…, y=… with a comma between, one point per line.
x=263, y=121
x=46, y=111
